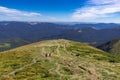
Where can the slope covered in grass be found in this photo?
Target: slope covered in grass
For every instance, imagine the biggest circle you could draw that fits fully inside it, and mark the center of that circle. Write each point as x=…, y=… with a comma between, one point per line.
x=11, y=43
x=58, y=60
x=111, y=46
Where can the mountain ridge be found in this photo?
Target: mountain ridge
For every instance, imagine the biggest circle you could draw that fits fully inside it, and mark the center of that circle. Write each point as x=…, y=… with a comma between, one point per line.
x=112, y=46
x=58, y=59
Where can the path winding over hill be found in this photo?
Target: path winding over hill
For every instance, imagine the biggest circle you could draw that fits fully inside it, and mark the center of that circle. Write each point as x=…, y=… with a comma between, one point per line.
x=19, y=69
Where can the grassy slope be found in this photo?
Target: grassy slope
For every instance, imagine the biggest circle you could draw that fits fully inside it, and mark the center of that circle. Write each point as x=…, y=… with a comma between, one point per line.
x=58, y=60
x=112, y=47
x=12, y=43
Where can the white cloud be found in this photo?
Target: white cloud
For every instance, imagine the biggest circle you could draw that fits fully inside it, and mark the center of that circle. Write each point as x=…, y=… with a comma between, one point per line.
x=9, y=14
x=97, y=2
x=14, y=12
x=98, y=9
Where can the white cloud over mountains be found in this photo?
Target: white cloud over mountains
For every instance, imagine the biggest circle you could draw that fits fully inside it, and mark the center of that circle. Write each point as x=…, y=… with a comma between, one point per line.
x=95, y=9
x=15, y=12
x=18, y=15
x=9, y=14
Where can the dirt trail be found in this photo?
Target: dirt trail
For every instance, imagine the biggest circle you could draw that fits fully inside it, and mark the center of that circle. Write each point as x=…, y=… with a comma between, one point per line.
x=17, y=70
x=65, y=45
x=93, y=75
x=57, y=70
x=43, y=51
x=58, y=47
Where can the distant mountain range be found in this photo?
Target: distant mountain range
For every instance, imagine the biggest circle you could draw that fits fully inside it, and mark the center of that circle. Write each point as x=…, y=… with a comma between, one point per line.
x=58, y=60
x=30, y=31
x=96, y=25
x=93, y=34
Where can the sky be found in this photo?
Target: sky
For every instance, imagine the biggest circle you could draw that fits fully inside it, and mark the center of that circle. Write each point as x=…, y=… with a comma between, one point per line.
x=60, y=10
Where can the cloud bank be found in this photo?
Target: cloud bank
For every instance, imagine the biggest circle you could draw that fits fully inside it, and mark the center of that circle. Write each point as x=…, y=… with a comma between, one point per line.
x=95, y=9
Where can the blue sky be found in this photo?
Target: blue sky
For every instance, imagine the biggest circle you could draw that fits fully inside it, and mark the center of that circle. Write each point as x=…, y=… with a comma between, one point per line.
x=60, y=10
